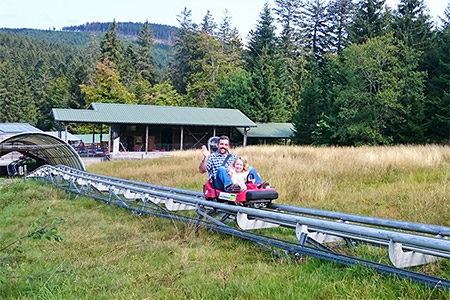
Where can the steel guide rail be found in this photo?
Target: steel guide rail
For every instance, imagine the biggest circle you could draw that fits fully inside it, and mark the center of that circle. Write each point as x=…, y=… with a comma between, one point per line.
x=147, y=199
x=344, y=217
x=403, y=225
x=418, y=227
x=282, y=218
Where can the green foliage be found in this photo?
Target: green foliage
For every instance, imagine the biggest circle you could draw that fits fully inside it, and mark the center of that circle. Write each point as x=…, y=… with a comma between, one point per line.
x=161, y=32
x=111, y=46
x=57, y=96
x=204, y=58
x=184, y=51
x=268, y=72
x=341, y=13
x=164, y=94
x=374, y=95
x=16, y=99
x=237, y=93
x=34, y=71
x=314, y=28
x=79, y=39
x=311, y=108
x=288, y=12
x=40, y=70
x=412, y=25
x=145, y=64
x=437, y=104
x=107, y=88
x=370, y=21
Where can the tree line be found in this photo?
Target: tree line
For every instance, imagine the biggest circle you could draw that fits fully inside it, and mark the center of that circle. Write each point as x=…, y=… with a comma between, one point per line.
x=342, y=73
x=163, y=33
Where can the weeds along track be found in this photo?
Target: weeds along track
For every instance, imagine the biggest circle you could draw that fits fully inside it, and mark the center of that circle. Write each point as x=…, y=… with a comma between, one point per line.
x=285, y=230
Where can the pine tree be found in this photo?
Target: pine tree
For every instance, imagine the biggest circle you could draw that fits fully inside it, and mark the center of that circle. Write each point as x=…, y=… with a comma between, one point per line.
x=268, y=70
x=16, y=100
x=184, y=51
x=145, y=63
x=57, y=97
x=93, y=56
x=446, y=19
x=111, y=46
x=208, y=25
x=212, y=62
x=412, y=25
x=208, y=66
x=341, y=13
x=288, y=12
x=314, y=24
x=129, y=73
x=311, y=106
x=230, y=41
x=437, y=103
x=370, y=21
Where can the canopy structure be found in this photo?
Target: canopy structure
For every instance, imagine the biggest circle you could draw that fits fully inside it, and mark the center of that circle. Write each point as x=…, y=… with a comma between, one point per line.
x=44, y=148
x=269, y=131
x=114, y=113
x=153, y=127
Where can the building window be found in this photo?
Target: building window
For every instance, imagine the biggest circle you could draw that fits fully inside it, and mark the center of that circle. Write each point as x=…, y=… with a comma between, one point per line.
x=131, y=127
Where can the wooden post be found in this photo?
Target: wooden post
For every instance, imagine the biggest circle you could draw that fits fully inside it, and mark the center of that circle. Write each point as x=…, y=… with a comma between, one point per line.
x=244, y=143
x=146, y=139
x=181, y=137
x=93, y=139
x=109, y=140
x=101, y=134
x=59, y=129
x=65, y=129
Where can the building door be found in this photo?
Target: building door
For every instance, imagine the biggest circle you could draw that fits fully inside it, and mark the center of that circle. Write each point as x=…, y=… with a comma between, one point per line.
x=130, y=143
x=166, y=139
x=138, y=146
x=151, y=142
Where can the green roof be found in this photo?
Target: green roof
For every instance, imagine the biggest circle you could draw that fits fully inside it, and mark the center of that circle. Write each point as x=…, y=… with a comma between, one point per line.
x=111, y=113
x=270, y=130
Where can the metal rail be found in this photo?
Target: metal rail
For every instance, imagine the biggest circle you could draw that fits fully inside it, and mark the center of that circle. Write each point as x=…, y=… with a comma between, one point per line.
x=343, y=217
x=313, y=228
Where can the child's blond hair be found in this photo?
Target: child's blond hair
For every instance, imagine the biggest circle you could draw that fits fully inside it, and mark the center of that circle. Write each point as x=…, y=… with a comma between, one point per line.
x=244, y=163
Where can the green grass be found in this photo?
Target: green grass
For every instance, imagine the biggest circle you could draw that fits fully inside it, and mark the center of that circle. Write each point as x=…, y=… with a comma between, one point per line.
x=110, y=254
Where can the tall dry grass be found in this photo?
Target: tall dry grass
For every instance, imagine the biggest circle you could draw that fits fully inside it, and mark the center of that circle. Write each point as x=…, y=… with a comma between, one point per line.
x=401, y=182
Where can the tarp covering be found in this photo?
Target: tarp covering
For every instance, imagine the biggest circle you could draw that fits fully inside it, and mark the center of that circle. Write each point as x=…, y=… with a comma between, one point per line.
x=44, y=148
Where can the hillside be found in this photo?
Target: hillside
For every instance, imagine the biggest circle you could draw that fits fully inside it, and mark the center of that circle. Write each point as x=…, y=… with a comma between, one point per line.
x=162, y=33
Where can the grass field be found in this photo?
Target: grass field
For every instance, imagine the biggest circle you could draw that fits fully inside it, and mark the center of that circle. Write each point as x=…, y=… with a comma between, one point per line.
x=109, y=254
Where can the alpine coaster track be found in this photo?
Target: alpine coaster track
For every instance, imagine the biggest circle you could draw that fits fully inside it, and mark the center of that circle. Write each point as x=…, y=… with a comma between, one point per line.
x=318, y=233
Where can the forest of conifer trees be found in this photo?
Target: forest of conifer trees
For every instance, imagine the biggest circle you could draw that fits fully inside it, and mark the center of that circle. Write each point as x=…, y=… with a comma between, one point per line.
x=343, y=73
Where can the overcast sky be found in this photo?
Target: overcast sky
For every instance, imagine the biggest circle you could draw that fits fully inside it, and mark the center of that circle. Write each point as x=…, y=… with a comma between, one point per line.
x=46, y=14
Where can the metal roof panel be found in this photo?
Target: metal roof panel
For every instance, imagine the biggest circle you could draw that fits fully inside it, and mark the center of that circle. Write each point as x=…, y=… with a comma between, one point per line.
x=110, y=113
x=12, y=128
x=270, y=130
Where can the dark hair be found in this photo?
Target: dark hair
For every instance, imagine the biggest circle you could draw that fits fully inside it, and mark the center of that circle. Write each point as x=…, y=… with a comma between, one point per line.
x=224, y=137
